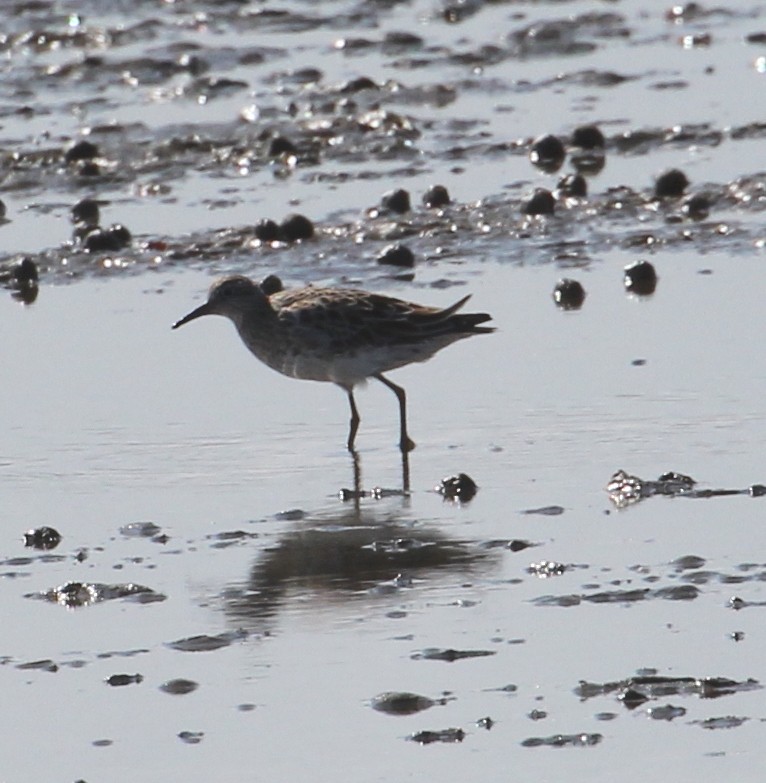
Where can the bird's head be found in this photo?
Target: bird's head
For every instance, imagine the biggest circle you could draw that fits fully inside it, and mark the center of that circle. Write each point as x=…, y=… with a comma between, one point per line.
x=232, y=297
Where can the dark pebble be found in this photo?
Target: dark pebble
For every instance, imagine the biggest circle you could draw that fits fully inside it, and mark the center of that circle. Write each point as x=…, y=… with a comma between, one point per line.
x=82, y=150
x=26, y=293
x=573, y=185
x=541, y=203
x=397, y=255
x=671, y=184
x=296, y=227
x=640, y=278
x=547, y=152
x=25, y=272
x=279, y=145
x=86, y=211
x=2, y=209
x=88, y=168
x=267, y=230
x=116, y=237
x=271, y=284
x=436, y=196
x=569, y=294
x=42, y=538
x=461, y=487
x=588, y=137
x=697, y=207
x=396, y=201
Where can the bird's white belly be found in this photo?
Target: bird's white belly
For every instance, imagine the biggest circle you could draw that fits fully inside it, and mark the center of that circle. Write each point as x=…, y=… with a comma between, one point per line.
x=349, y=369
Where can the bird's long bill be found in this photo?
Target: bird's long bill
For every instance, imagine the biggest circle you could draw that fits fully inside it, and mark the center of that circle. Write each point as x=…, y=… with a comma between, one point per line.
x=200, y=311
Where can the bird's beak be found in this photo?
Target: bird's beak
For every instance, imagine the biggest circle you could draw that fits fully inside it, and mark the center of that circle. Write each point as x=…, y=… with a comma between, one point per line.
x=198, y=313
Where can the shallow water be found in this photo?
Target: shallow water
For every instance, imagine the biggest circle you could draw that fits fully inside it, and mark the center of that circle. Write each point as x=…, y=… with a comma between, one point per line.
x=314, y=606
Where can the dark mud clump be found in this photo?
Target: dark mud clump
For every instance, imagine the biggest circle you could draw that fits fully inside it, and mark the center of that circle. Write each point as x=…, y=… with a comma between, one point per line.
x=42, y=538
x=399, y=255
x=119, y=680
x=569, y=294
x=460, y=488
x=179, y=686
x=542, y=202
x=436, y=196
x=640, y=278
x=400, y=703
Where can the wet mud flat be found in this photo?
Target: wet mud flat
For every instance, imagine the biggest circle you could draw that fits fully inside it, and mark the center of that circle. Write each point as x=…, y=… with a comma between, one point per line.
x=201, y=580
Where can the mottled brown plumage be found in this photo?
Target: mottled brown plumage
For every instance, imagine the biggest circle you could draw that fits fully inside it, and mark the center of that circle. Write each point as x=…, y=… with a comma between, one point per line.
x=339, y=335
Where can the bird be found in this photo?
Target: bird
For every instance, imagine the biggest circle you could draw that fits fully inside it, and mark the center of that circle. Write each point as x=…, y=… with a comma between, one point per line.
x=338, y=335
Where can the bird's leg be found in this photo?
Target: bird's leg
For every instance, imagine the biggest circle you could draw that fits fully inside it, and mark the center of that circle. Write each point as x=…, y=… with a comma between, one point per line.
x=354, y=423
x=405, y=444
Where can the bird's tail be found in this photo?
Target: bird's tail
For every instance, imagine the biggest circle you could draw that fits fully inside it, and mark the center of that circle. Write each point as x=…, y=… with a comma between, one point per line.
x=466, y=322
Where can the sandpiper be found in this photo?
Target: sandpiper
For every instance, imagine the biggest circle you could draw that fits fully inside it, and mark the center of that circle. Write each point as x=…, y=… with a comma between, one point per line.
x=343, y=336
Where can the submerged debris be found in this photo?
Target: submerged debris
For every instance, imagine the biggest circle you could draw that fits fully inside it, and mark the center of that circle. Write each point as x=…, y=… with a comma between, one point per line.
x=564, y=740
x=77, y=594
x=205, y=643
x=545, y=511
x=443, y=735
x=625, y=489
x=636, y=690
x=191, y=737
x=449, y=655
